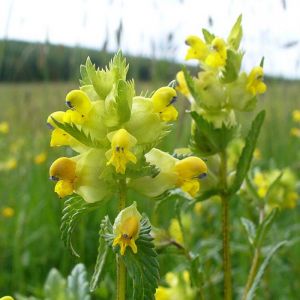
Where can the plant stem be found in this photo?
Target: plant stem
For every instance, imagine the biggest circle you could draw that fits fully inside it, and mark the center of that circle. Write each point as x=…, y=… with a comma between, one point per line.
x=255, y=261
x=252, y=273
x=121, y=269
x=225, y=228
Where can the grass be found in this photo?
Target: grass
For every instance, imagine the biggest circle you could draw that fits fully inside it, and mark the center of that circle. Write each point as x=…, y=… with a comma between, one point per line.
x=30, y=240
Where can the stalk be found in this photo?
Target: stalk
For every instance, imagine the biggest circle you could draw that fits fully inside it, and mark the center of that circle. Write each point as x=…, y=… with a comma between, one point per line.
x=225, y=228
x=121, y=269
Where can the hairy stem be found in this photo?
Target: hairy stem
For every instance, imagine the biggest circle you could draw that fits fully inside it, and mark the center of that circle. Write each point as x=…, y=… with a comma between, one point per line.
x=121, y=269
x=225, y=228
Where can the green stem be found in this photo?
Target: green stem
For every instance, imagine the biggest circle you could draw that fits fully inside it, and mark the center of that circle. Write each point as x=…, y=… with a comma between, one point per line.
x=121, y=269
x=252, y=273
x=255, y=262
x=225, y=228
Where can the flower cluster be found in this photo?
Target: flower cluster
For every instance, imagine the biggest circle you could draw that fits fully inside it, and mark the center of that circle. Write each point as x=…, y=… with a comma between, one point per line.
x=114, y=134
x=220, y=88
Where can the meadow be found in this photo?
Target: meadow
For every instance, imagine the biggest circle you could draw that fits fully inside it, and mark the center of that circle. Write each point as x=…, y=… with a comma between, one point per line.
x=30, y=242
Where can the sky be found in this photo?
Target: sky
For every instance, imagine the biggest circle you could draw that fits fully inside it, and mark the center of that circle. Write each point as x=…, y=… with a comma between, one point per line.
x=271, y=27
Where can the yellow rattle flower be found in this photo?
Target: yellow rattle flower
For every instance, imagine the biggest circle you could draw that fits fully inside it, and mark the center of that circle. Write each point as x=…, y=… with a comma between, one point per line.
x=162, y=100
x=198, y=49
x=255, y=84
x=119, y=154
x=127, y=228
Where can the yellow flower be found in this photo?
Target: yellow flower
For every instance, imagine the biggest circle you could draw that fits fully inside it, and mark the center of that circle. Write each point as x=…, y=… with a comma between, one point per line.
x=257, y=154
x=7, y=212
x=198, y=208
x=119, y=154
x=181, y=84
x=127, y=228
x=79, y=104
x=255, y=84
x=262, y=184
x=162, y=100
x=10, y=164
x=4, y=127
x=40, y=158
x=296, y=116
x=198, y=49
x=7, y=298
x=162, y=293
x=189, y=170
x=291, y=200
x=175, y=231
x=218, y=53
x=295, y=132
x=63, y=171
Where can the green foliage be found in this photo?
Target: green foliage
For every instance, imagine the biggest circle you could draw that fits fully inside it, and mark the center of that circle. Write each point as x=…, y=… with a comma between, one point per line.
x=78, y=286
x=102, y=253
x=236, y=34
x=264, y=227
x=250, y=229
x=191, y=85
x=208, y=140
x=247, y=153
x=262, y=269
x=143, y=267
x=208, y=37
x=73, y=210
x=79, y=134
x=55, y=286
x=232, y=67
x=125, y=93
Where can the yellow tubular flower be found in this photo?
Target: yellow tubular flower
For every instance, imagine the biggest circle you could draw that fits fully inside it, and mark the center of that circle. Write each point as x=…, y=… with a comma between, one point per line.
x=189, y=171
x=4, y=127
x=198, y=49
x=119, y=154
x=295, y=132
x=181, y=84
x=162, y=101
x=255, y=84
x=127, y=228
x=296, y=116
x=63, y=171
x=218, y=54
x=40, y=158
x=80, y=105
x=7, y=298
x=7, y=212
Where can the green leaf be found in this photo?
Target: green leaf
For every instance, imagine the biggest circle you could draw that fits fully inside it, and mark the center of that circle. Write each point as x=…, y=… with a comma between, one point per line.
x=78, y=286
x=250, y=229
x=191, y=85
x=272, y=186
x=232, y=67
x=261, y=64
x=236, y=34
x=73, y=210
x=125, y=93
x=102, y=80
x=102, y=256
x=79, y=134
x=264, y=227
x=247, y=153
x=208, y=37
x=205, y=196
x=262, y=269
x=209, y=140
x=143, y=267
x=55, y=286
x=118, y=67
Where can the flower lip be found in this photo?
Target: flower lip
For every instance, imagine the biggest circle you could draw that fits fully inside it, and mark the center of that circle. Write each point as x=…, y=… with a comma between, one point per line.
x=173, y=100
x=51, y=127
x=54, y=178
x=202, y=175
x=69, y=104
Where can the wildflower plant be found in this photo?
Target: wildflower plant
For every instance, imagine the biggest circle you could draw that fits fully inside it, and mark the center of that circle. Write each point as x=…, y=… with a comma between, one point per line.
x=114, y=134
x=217, y=94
